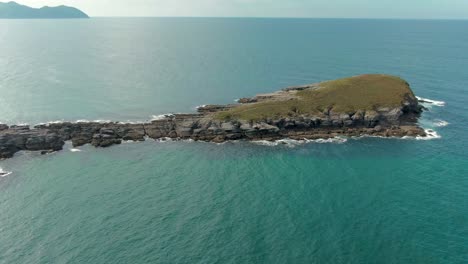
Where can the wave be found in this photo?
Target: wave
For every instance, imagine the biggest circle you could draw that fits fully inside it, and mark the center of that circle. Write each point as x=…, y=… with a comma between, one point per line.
x=128, y=122
x=50, y=122
x=164, y=139
x=75, y=150
x=441, y=123
x=338, y=140
x=21, y=124
x=430, y=101
x=293, y=142
x=265, y=143
x=430, y=134
x=4, y=173
x=161, y=117
x=102, y=121
x=93, y=121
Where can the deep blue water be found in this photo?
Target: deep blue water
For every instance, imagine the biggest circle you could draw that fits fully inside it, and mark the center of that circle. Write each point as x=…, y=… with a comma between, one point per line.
x=363, y=201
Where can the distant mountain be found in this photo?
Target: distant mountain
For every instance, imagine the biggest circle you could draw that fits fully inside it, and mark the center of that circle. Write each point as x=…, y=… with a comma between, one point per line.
x=15, y=10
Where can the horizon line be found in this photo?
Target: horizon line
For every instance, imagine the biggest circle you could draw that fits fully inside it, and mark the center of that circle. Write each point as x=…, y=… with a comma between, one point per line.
x=285, y=17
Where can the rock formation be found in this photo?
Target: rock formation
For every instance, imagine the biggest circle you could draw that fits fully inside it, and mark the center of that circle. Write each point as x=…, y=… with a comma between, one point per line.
x=218, y=123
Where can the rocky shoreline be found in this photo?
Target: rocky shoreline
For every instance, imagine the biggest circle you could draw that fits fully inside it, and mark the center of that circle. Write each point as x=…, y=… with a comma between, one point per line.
x=399, y=121
x=200, y=127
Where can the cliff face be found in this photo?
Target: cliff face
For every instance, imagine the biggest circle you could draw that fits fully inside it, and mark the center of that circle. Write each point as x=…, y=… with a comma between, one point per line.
x=218, y=123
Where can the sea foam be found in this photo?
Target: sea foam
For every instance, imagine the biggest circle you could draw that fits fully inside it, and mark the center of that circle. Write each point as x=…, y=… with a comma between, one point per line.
x=292, y=142
x=161, y=117
x=430, y=134
x=4, y=173
x=93, y=121
x=441, y=123
x=430, y=102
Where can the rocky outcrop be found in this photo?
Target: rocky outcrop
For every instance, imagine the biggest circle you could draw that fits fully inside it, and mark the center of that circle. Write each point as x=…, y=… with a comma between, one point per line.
x=204, y=109
x=397, y=121
x=246, y=100
x=18, y=138
x=201, y=127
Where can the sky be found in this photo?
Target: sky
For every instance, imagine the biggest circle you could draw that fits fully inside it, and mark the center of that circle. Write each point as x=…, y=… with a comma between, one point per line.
x=417, y=9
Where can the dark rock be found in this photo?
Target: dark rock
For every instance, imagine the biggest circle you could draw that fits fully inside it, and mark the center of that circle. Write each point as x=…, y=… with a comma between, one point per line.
x=105, y=139
x=80, y=141
x=299, y=87
x=247, y=100
x=44, y=152
x=212, y=108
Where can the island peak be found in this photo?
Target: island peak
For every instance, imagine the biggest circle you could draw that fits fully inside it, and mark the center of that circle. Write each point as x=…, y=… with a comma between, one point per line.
x=357, y=94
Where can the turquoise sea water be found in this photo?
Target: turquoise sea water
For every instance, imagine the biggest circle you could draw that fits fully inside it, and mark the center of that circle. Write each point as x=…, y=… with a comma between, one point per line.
x=365, y=200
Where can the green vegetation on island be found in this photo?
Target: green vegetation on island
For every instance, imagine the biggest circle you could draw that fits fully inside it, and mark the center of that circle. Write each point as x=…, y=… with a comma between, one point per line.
x=368, y=92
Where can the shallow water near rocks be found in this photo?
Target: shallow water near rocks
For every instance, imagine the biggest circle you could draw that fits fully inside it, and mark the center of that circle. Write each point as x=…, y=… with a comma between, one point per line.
x=367, y=200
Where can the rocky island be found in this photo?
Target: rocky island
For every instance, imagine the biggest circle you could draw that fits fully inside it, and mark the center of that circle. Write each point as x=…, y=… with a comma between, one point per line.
x=372, y=104
x=13, y=10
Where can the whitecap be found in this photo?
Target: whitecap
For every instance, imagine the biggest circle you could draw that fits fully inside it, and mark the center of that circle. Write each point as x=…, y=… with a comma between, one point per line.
x=441, y=123
x=265, y=143
x=102, y=121
x=429, y=102
x=75, y=150
x=164, y=139
x=129, y=122
x=55, y=122
x=50, y=122
x=4, y=173
x=146, y=137
x=286, y=141
x=161, y=117
x=82, y=121
x=292, y=142
x=338, y=140
x=430, y=134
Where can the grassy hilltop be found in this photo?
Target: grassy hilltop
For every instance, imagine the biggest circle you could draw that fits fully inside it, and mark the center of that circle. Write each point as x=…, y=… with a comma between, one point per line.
x=347, y=95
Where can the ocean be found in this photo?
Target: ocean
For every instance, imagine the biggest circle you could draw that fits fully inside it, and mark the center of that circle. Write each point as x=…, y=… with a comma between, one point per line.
x=354, y=200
